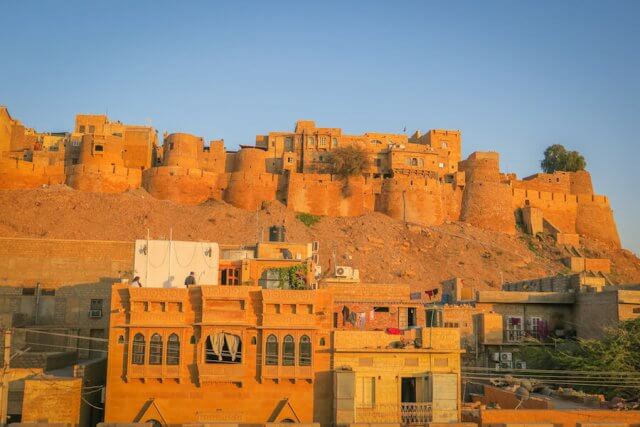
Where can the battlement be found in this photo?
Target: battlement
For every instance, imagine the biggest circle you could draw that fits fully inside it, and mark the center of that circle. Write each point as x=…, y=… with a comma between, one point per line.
x=16, y=173
x=103, y=178
x=562, y=198
x=420, y=179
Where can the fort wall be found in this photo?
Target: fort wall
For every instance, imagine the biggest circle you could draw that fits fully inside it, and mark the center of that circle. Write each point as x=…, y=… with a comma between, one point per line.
x=413, y=199
x=103, y=178
x=190, y=173
x=324, y=194
x=586, y=214
x=486, y=202
x=249, y=184
x=19, y=174
x=182, y=185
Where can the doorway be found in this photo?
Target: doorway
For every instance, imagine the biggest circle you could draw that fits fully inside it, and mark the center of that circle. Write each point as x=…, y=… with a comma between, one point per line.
x=408, y=390
x=412, y=322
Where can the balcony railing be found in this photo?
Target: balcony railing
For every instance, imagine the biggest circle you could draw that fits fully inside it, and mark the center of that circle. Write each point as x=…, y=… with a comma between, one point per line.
x=404, y=413
x=517, y=335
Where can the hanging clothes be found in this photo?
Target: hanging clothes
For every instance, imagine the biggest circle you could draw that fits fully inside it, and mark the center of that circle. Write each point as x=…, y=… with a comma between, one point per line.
x=345, y=315
x=372, y=314
x=429, y=293
x=353, y=317
x=362, y=319
x=233, y=343
x=393, y=331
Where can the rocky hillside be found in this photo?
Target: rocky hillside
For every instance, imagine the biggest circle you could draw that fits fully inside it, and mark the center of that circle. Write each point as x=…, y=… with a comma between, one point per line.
x=385, y=250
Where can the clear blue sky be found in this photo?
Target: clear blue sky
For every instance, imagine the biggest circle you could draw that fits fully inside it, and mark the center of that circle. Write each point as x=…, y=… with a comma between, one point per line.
x=514, y=76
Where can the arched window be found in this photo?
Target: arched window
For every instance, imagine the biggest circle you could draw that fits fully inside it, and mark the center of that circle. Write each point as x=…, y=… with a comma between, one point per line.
x=173, y=350
x=137, y=352
x=305, y=351
x=271, y=357
x=155, y=350
x=414, y=162
x=288, y=351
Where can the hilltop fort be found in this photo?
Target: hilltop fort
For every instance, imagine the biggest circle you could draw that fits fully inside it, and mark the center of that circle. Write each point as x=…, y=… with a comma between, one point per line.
x=419, y=179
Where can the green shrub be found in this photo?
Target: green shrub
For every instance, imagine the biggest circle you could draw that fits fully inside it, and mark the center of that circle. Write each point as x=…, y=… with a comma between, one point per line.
x=308, y=219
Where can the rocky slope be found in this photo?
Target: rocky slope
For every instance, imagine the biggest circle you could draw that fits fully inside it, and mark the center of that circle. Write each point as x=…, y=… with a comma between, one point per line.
x=385, y=250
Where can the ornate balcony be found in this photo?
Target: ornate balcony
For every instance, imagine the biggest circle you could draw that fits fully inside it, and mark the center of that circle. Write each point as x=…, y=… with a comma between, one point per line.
x=404, y=413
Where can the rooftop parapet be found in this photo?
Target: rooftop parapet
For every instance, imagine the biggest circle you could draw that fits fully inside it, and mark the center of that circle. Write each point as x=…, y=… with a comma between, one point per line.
x=428, y=339
x=525, y=297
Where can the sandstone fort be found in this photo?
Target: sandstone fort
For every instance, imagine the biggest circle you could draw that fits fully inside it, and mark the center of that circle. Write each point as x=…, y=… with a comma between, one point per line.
x=419, y=179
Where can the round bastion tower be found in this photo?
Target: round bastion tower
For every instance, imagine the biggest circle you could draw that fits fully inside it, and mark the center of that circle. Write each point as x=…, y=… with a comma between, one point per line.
x=486, y=201
x=594, y=216
x=183, y=175
x=249, y=183
x=101, y=167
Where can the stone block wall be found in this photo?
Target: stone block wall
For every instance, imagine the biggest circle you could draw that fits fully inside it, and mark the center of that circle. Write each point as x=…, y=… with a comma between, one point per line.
x=52, y=400
x=19, y=174
x=181, y=185
x=103, y=178
x=324, y=194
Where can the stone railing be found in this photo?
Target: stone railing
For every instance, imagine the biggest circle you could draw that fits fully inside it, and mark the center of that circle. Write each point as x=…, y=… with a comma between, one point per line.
x=404, y=413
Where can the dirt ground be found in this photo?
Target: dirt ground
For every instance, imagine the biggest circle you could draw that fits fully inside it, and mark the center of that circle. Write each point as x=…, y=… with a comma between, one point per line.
x=383, y=249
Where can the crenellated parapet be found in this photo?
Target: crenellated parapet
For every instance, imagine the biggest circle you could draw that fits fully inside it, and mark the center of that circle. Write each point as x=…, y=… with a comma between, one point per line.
x=486, y=200
x=250, y=184
x=326, y=194
x=189, y=171
x=418, y=179
x=21, y=174
x=101, y=166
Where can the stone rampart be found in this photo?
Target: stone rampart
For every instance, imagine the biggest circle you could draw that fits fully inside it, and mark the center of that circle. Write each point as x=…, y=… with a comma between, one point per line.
x=249, y=190
x=586, y=214
x=19, y=174
x=182, y=185
x=413, y=199
x=324, y=194
x=250, y=184
x=103, y=178
x=486, y=201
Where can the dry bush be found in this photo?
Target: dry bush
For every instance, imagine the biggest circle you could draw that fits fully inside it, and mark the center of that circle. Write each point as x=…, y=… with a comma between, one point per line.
x=347, y=161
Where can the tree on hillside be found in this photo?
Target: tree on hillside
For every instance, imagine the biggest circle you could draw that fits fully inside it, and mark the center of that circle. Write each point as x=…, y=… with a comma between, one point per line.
x=557, y=158
x=348, y=161
x=618, y=351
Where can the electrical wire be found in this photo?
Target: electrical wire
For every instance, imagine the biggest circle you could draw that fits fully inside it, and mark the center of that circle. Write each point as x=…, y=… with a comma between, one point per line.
x=58, y=334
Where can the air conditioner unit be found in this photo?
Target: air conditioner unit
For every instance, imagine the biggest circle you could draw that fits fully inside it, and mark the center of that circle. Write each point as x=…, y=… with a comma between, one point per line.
x=342, y=271
x=505, y=357
x=505, y=365
x=95, y=314
x=521, y=365
x=495, y=357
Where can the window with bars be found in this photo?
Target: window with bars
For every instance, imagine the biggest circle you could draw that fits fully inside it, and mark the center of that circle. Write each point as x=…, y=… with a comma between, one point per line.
x=271, y=357
x=137, y=357
x=155, y=350
x=173, y=350
x=305, y=351
x=230, y=276
x=288, y=351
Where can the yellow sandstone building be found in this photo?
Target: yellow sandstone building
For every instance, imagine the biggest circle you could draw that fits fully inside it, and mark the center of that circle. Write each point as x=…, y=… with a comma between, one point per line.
x=249, y=355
